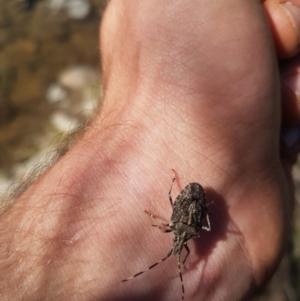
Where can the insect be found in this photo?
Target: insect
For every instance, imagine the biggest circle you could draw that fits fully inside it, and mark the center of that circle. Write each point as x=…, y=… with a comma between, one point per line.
x=189, y=212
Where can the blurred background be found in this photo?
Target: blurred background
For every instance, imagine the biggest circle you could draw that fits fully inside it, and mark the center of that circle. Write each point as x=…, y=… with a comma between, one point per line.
x=50, y=83
x=49, y=76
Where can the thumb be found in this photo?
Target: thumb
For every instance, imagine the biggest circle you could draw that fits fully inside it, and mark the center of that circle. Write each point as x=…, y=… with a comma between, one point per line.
x=284, y=20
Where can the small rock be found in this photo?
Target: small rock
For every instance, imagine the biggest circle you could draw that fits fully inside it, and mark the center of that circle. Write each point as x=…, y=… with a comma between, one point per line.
x=63, y=123
x=56, y=93
x=4, y=184
x=78, y=77
x=55, y=5
x=78, y=9
x=89, y=102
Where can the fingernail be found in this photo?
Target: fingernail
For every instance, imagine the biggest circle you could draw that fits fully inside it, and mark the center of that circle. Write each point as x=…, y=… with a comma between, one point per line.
x=292, y=8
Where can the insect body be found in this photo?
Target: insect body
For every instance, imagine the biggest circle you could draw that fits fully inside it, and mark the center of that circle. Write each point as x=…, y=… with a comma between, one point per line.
x=189, y=212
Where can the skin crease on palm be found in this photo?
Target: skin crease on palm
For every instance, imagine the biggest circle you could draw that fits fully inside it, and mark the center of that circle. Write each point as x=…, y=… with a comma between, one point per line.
x=188, y=85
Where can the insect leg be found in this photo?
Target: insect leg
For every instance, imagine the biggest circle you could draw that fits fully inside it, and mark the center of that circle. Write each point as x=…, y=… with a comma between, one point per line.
x=161, y=226
x=180, y=275
x=155, y=217
x=208, y=224
x=163, y=230
x=186, y=256
x=152, y=266
x=173, y=180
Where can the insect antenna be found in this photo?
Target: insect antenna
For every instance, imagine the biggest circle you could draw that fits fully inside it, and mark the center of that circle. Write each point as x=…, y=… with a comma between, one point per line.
x=180, y=275
x=152, y=266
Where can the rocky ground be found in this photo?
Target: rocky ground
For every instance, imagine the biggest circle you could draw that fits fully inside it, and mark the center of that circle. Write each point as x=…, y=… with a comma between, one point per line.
x=50, y=74
x=49, y=84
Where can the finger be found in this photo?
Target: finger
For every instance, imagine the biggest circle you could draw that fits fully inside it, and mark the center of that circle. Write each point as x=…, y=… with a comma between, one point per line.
x=284, y=20
x=290, y=90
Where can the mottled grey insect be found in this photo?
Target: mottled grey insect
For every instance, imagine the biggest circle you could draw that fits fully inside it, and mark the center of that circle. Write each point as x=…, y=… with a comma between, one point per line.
x=189, y=212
